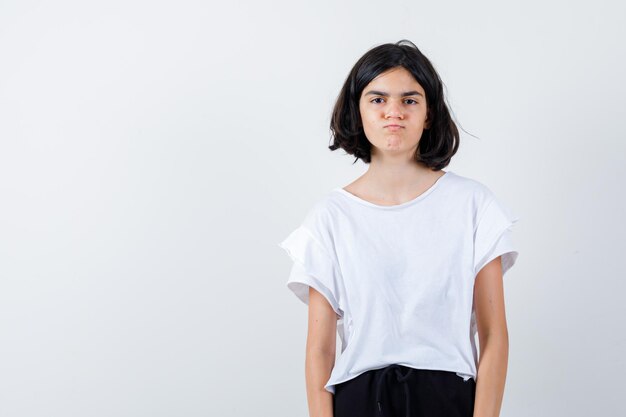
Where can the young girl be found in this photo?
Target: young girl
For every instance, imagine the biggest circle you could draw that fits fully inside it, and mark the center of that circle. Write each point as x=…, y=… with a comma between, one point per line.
x=406, y=262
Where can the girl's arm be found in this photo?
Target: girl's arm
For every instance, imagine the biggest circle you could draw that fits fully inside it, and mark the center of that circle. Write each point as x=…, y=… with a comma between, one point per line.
x=493, y=340
x=320, y=354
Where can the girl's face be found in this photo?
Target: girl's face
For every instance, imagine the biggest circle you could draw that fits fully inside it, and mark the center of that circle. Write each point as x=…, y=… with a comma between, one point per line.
x=394, y=112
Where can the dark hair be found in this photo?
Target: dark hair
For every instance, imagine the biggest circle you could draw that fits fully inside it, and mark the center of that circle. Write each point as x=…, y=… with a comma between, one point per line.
x=438, y=143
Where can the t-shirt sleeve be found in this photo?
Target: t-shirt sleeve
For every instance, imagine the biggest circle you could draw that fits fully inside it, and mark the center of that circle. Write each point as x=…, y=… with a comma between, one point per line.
x=493, y=236
x=313, y=266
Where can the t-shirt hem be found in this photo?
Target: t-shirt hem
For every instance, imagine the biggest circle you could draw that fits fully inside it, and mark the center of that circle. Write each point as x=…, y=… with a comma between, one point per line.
x=331, y=384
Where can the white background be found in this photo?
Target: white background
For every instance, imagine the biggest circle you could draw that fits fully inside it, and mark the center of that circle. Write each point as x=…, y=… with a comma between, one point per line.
x=153, y=154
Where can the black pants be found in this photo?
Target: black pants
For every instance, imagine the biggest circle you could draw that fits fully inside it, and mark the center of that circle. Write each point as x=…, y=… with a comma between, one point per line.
x=399, y=391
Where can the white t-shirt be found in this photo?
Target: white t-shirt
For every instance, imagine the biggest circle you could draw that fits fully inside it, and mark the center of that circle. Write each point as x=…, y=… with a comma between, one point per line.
x=401, y=277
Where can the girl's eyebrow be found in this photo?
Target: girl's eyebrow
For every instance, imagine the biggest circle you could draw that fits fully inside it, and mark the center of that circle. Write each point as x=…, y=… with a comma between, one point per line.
x=382, y=93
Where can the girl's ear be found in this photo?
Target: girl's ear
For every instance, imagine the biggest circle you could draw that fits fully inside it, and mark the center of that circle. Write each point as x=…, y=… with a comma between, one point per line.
x=428, y=119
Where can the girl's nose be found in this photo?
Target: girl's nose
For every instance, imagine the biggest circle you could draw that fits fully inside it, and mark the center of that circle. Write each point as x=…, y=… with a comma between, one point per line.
x=393, y=110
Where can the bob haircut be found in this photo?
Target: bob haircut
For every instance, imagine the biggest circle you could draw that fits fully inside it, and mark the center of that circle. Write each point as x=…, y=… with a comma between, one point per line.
x=438, y=143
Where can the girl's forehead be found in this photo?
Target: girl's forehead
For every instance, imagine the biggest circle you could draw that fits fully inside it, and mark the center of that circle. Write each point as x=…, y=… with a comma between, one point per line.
x=394, y=87
x=395, y=76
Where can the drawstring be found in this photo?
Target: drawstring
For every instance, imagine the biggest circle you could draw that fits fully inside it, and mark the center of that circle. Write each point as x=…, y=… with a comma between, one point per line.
x=399, y=378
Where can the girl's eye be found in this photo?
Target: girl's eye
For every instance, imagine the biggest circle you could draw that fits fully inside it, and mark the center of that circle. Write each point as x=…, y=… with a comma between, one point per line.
x=378, y=100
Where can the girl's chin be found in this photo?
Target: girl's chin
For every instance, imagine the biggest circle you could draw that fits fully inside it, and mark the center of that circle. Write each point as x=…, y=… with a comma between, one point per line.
x=393, y=142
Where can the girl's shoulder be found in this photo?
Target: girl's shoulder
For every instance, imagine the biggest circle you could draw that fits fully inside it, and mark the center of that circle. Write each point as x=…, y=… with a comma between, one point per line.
x=463, y=184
